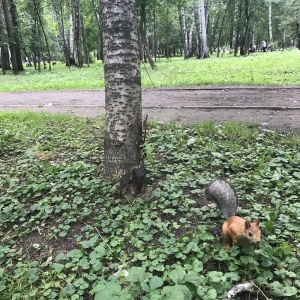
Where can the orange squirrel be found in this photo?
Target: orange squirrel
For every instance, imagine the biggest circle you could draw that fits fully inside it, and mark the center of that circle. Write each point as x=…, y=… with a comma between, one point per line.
x=234, y=228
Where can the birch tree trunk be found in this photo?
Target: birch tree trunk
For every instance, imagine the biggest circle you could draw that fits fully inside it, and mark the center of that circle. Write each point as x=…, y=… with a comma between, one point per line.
x=85, y=45
x=154, y=43
x=59, y=17
x=78, y=35
x=123, y=106
x=203, y=48
x=196, y=17
x=190, y=44
x=184, y=34
x=71, y=39
x=270, y=26
x=234, y=31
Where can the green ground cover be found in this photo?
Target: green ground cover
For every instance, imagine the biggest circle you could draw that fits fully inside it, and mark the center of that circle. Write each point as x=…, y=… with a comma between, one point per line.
x=66, y=235
x=271, y=68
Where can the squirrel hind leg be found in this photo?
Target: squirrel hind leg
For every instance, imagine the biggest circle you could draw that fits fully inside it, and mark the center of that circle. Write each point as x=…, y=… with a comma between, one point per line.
x=226, y=240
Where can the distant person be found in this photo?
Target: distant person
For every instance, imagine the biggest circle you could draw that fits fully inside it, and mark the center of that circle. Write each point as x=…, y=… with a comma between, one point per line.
x=252, y=48
x=263, y=46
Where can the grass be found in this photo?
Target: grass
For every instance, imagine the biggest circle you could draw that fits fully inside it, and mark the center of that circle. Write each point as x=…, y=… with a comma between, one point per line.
x=271, y=68
x=66, y=235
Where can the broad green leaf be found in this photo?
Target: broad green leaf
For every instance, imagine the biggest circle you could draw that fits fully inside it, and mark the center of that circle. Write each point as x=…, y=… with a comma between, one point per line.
x=193, y=278
x=155, y=282
x=279, y=290
x=178, y=275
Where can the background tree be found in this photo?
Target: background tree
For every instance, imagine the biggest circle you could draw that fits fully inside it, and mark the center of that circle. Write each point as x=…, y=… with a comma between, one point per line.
x=123, y=136
x=187, y=22
x=4, y=55
x=71, y=29
x=5, y=65
x=98, y=45
x=202, y=33
x=289, y=16
x=10, y=35
x=246, y=16
x=184, y=33
x=270, y=25
x=58, y=8
x=40, y=24
x=16, y=36
x=144, y=47
x=78, y=33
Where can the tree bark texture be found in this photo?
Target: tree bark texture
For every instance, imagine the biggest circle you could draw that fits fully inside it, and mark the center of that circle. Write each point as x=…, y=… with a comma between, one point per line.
x=15, y=24
x=154, y=41
x=298, y=35
x=10, y=35
x=5, y=58
x=203, y=48
x=78, y=34
x=71, y=30
x=190, y=40
x=184, y=33
x=123, y=135
x=85, y=44
x=96, y=10
x=234, y=30
x=244, y=46
x=57, y=8
x=38, y=49
x=144, y=42
x=37, y=8
x=270, y=26
x=3, y=46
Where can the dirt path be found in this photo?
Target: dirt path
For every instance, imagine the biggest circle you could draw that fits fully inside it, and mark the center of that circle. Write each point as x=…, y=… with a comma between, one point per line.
x=271, y=107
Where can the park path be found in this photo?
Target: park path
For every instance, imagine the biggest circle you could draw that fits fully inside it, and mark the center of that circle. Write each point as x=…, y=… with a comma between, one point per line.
x=274, y=107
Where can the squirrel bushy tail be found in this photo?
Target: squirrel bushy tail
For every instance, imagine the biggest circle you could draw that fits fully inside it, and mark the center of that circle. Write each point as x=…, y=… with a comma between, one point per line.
x=224, y=195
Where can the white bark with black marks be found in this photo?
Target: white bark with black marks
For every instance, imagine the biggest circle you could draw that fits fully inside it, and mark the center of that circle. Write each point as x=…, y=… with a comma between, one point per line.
x=184, y=34
x=239, y=288
x=123, y=105
x=270, y=25
x=203, y=48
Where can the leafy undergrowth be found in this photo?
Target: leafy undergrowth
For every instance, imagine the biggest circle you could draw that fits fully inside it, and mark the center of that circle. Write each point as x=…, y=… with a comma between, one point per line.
x=66, y=235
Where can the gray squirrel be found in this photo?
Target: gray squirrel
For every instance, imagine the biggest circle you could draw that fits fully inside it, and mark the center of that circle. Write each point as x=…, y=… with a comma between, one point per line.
x=234, y=228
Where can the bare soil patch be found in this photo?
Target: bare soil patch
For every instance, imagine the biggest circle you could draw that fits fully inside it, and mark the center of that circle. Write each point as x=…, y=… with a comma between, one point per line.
x=273, y=107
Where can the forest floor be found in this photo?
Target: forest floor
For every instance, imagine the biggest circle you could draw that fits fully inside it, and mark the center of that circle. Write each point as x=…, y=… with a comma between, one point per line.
x=272, y=107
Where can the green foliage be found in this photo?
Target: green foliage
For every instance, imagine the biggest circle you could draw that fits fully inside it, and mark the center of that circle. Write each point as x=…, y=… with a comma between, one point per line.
x=275, y=68
x=66, y=235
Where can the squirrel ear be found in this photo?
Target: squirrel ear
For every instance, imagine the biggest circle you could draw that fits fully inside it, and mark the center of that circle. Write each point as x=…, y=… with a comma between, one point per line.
x=247, y=224
x=257, y=222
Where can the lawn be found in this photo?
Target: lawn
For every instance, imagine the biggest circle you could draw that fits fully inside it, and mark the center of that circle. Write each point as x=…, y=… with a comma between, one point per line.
x=271, y=68
x=65, y=234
